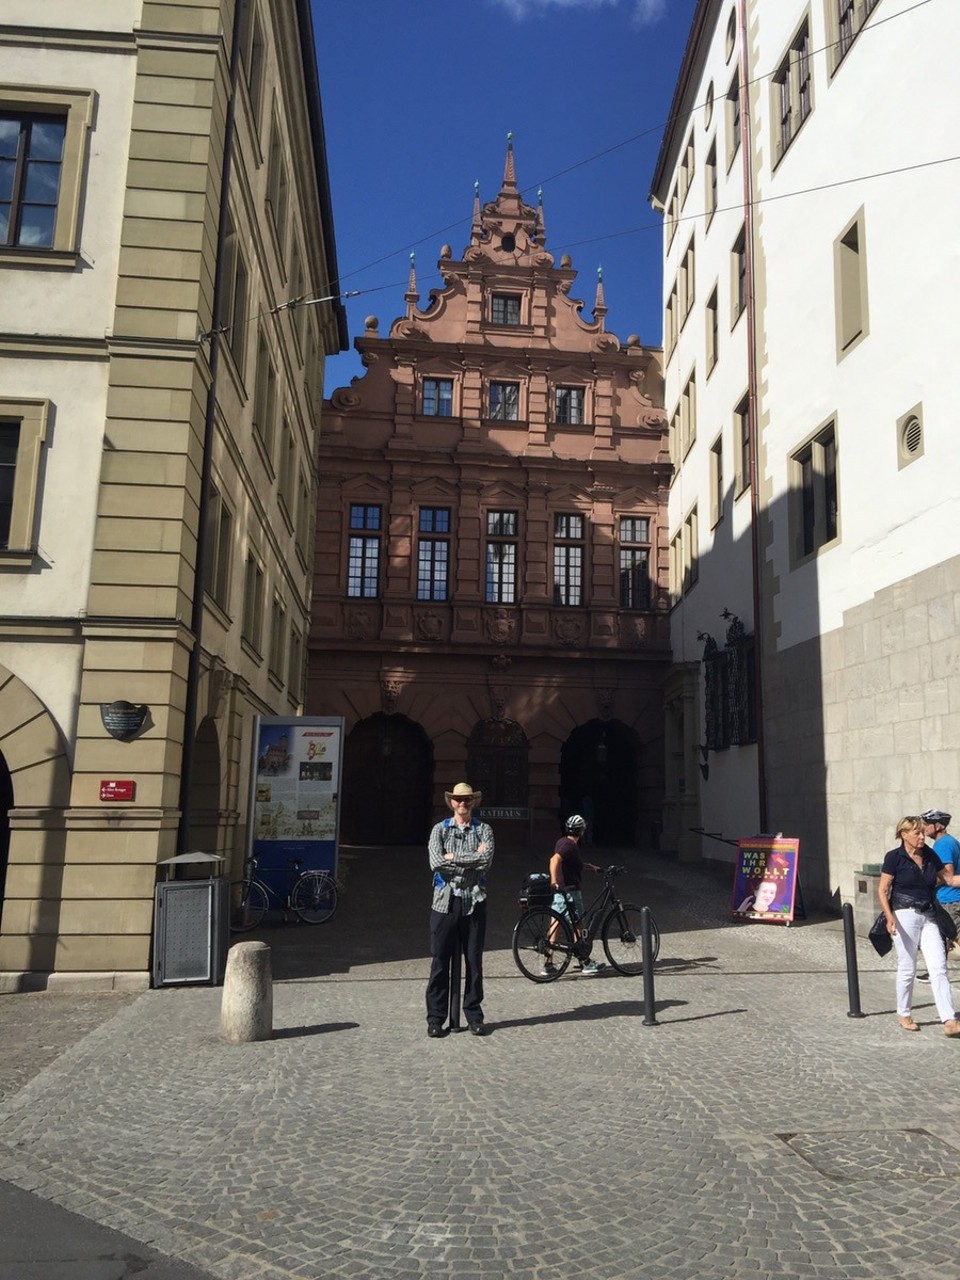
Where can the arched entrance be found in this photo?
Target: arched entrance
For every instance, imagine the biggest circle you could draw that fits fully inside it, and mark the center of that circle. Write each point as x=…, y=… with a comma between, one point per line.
x=6, y=804
x=387, y=782
x=497, y=752
x=598, y=778
x=204, y=799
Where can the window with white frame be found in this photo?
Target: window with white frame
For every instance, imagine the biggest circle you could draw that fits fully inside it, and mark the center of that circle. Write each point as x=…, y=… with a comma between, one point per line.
x=716, y=481
x=687, y=281
x=568, y=406
x=252, y=626
x=713, y=331
x=436, y=398
x=685, y=178
x=23, y=430
x=673, y=210
x=505, y=401
x=433, y=554
x=688, y=415
x=265, y=398
x=43, y=147
x=792, y=88
x=733, y=120
x=741, y=425
x=710, y=178
x=634, y=534
x=218, y=549
x=501, y=557
x=363, y=556
x=568, y=554
x=670, y=321
x=850, y=276
x=738, y=282
x=816, y=495
x=277, y=186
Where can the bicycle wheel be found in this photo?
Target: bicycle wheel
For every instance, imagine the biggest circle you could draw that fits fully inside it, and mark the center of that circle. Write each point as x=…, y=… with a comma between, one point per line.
x=621, y=939
x=314, y=897
x=538, y=934
x=248, y=905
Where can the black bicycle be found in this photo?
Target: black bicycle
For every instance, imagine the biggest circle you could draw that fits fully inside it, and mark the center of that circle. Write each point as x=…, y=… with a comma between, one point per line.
x=545, y=941
x=312, y=897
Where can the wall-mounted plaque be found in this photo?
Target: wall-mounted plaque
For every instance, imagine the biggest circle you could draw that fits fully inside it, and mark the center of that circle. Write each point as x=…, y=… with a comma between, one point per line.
x=123, y=720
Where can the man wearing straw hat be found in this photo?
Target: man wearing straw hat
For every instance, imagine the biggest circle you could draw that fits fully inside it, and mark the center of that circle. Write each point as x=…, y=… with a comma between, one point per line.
x=461, y=850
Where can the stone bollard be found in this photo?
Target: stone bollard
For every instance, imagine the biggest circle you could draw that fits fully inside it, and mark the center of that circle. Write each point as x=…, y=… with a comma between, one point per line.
x=246, y=1010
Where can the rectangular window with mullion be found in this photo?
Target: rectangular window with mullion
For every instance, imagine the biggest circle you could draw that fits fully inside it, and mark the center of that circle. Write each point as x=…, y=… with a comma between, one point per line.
x=9, y=446
x=569, y=406
x=505, y=401
x=437, y=398
x=634, y=562
x=433, y=554
x=505, y=309
x=501, y=557
x=568, y=535
x=31, y=159
x=363, y=553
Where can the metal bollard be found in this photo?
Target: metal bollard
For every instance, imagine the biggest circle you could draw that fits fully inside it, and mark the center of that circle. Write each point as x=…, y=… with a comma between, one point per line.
x=646, y=951
x=246, y=1009
x=455, y=962
x=853, y=973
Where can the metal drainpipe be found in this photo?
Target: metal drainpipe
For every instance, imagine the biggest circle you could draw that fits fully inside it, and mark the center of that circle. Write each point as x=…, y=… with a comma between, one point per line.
x=196, y=617
x=752, y=405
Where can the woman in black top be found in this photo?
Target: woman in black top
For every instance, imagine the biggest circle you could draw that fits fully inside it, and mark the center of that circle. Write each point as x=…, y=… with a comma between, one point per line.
x=908, y=883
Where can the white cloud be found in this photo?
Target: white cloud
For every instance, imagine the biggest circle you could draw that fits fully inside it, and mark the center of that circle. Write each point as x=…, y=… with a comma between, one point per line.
x=648, y=12
x=520, y=9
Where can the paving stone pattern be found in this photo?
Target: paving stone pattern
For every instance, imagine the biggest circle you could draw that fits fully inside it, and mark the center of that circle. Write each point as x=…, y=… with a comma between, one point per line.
x=756, y=1130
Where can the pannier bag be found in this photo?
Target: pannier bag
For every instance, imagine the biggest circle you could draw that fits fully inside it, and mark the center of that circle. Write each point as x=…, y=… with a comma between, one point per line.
x=535, y=891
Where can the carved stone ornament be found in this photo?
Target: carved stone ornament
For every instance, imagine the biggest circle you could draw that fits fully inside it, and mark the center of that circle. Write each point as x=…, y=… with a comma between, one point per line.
x=605, y=702
x=429, y=626
x=123, y=720
x=220, y=682
x=634, y=632
x=359, y=624
x=500, y=626
x=501, y=662
x=390, y=691
x=568, y=629
x=345, y=398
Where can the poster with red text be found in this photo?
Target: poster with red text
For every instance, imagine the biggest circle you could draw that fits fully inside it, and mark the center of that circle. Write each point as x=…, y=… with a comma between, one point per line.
x=765, y=879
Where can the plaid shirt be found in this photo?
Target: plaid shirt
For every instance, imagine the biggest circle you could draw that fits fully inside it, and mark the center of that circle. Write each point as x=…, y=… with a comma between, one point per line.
x=464, y=875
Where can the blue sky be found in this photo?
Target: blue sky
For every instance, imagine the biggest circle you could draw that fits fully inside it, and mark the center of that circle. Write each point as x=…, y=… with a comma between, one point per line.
x=418, y=99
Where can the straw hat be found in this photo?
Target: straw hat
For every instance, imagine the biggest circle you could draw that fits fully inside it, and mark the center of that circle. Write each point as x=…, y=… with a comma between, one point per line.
x=463, y=791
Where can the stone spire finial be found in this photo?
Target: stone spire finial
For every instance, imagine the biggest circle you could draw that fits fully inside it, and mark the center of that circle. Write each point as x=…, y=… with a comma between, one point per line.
x=412, y=297
x=509, y=176
x=477, y=224
x=539, y=227
x=600, y=306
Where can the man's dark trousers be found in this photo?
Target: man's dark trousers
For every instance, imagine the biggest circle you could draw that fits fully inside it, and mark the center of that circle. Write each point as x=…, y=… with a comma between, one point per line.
x=449, y=930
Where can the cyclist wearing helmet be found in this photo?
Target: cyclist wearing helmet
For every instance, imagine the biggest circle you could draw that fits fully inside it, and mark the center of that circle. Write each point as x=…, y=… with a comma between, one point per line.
x=947, y=849
x=566, y=870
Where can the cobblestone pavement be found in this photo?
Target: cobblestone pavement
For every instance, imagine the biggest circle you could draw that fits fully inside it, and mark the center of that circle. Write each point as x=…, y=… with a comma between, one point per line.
x=756, y=1130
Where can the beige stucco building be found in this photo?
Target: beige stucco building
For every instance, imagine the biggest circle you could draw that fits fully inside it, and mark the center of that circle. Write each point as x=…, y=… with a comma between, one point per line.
x=489, y=597
x=159, y=406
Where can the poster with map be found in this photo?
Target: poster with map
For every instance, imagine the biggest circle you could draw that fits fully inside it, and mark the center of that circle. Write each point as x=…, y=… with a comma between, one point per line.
x=294, y=803
x=765, y=879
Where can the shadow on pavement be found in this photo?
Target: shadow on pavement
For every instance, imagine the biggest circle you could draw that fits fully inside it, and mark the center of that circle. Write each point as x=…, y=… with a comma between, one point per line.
x=318, y=1029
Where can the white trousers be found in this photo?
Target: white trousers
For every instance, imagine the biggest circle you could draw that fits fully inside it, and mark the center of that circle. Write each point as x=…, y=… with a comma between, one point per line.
x=917, y=932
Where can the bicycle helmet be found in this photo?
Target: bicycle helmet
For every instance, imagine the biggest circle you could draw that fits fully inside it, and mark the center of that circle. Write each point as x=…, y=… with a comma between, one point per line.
x=936, y=816
x=575, y=825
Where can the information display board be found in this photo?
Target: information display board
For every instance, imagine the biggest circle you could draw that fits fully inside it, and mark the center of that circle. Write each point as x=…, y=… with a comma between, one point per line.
x=765, y=879
x=295, y=796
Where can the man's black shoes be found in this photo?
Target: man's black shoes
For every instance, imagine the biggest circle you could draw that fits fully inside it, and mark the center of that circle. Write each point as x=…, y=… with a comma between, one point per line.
x=435, y=1031
x=478, y=1029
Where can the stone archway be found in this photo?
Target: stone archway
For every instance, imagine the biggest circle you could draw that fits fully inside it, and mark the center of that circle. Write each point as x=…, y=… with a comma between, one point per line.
x=34, y=794
x=387, y=782
x=6, y=804
x=203, y=832
x=598, y=778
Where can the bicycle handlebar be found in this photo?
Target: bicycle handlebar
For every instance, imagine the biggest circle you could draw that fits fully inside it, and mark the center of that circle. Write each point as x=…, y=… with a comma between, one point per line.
x=610, y=872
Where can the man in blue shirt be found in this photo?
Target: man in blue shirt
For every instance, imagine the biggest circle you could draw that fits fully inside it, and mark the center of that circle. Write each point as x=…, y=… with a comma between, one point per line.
x=947, y=849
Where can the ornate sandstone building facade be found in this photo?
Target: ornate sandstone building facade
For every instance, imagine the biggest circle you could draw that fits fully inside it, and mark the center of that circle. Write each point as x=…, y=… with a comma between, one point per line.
x=490, y=594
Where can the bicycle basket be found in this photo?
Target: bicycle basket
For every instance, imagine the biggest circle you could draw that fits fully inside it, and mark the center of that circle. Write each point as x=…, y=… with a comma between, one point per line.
x=535, y=891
